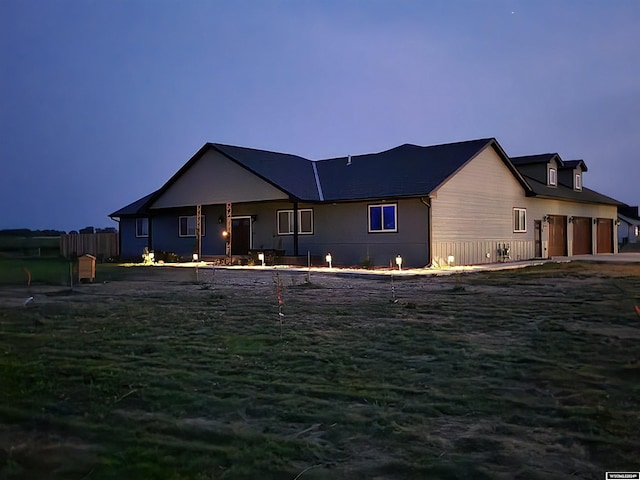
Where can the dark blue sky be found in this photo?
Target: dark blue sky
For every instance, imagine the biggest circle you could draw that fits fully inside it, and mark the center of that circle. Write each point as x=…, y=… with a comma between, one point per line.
x=101, y=101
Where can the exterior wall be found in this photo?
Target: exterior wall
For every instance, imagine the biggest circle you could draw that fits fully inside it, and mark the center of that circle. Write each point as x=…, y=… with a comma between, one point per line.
x=342, y=230
x=198, y=185
x=473, y=214
x=537, y=208
x=627, y=231
x=165, y=231
x=131, y=247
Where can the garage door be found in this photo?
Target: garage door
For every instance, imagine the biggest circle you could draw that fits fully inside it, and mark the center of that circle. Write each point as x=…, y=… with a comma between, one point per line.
x=557, y=235
x=581, y=235
x=605, y=235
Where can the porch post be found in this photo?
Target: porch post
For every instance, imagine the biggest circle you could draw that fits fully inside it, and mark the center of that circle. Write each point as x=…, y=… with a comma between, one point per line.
x=295, y=229
x=199, y=230
x=228, y=244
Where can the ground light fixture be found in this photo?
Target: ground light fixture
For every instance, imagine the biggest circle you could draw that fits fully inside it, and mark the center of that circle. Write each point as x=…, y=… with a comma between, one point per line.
x=399, y=262
x=152, y=256
x=195, y=257
x=261, y=257
x=329, y=259
x=450, y=260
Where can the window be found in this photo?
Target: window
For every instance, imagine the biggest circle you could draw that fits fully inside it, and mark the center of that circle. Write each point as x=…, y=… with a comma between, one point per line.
x=305, y=222
x=519, y=219
x=383, y=218
x=188, y=226
x=553, y=176
x=578, y=183
x=142, y=227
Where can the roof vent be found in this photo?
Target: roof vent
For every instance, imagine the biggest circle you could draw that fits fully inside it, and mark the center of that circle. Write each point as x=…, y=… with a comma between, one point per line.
x=349, y=160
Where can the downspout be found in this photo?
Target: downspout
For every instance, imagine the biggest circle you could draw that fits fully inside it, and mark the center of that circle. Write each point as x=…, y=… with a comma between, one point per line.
x=427, y=204
x=119, y=236
x=295, y=228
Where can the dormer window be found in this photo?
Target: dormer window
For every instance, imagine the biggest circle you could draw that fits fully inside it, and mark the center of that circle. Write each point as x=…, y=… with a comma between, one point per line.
x=553, y=177
x=578, y=182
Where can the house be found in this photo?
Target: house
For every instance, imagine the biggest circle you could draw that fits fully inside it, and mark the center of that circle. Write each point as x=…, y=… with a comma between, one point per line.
x=628, y=225
x=462, y=203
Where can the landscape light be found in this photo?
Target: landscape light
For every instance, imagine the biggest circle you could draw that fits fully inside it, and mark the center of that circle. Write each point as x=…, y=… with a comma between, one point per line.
x=450, y=259
x=151, y=256
x=261, y=258
x=328, y=258
x=225, y=234
x=399, y=262
x=195, y=257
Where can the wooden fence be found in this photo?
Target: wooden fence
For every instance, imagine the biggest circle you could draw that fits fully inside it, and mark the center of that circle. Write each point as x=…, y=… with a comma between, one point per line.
x=100, y=245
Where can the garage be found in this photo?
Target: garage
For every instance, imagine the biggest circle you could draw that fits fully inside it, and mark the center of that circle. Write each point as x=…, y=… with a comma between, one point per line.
x=605, y=235
x=557, y=235
x=581, y=235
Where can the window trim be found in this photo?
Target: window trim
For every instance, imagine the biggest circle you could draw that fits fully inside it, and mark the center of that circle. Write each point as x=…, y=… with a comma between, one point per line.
x=383, y=229
x=520, y=220
x=290, y=223
x=142, y=235
x=553, y=177
x=577, y=181
x=187, y=235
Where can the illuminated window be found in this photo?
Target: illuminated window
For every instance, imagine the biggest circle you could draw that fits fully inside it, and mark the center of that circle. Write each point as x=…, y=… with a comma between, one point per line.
x=188, y=226
x=142, y=227
x=578, y=181
x=520, y=220
x=305, y=222
x=383, y=218
x=553, y=176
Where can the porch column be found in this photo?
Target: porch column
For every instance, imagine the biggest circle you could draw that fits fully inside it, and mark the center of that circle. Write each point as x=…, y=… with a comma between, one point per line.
x=227, y=251
x=295, y=229
x=199, y=229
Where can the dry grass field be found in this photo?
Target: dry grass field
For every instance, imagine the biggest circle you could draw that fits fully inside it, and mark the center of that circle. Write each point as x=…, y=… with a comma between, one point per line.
x=154, y=373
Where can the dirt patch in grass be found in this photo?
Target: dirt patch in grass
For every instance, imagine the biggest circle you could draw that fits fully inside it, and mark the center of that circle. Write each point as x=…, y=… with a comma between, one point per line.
x=159, y=373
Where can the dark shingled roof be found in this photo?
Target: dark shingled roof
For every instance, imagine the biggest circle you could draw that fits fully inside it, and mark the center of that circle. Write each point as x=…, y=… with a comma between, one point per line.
x=574, y=164
x=290, y=173
x=136, y=208
x=540, y=158
x=407, y=170
x=567, y=193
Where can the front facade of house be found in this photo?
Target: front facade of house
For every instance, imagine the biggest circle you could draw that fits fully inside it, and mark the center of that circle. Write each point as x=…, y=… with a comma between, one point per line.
x=462, y=203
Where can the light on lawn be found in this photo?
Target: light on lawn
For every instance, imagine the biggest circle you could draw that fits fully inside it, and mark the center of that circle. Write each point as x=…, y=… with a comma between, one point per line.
x=450, y=259
x=329, y=259
x=225, y=234
x=195, y=257
x=152, y=256
x=399, y=262
x=261, y=258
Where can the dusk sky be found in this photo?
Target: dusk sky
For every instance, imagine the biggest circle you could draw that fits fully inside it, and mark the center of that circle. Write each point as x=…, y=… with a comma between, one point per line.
x=101, y=101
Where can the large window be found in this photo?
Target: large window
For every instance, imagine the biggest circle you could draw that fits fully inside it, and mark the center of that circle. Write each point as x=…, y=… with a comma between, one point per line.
x=188, y=226
x=305, y=222
x=383, y=218
x=142, y=227
x=553, y=177
x=519, y=219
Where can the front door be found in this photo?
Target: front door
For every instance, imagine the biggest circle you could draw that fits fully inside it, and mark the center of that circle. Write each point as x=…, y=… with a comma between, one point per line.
x=240, y=235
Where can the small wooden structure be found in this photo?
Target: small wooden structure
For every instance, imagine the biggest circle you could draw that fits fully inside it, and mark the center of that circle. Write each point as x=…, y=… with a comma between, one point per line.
x=86, y=267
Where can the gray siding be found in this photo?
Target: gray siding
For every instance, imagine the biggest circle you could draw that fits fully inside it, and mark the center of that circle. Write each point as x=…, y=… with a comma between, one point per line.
x=214, y=179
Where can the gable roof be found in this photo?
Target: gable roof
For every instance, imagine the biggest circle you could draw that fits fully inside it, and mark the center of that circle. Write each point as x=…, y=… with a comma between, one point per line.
x=407, y=170
x=575, y=164
x=133, y=209
x=540, y=158
x=563, y=192
x=290, y=173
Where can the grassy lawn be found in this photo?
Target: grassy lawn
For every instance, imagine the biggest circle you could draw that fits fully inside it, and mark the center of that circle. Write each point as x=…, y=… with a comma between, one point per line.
x=154, y=373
